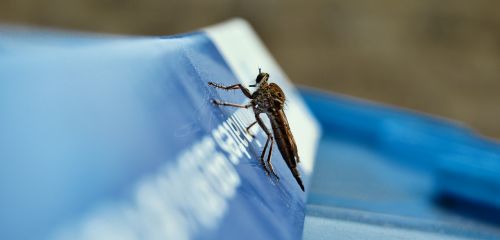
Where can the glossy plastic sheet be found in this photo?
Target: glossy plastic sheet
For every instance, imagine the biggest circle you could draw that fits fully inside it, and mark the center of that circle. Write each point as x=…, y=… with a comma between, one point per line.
x=112, y=137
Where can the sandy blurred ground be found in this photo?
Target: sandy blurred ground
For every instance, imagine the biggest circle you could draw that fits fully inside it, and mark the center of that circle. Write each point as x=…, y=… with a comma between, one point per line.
x=440, y=57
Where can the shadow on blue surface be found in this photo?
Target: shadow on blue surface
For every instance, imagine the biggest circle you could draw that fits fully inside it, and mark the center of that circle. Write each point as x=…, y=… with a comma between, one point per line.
x=471, y=209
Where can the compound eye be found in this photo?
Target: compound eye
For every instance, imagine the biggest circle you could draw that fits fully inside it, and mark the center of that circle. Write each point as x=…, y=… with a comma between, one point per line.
x=259, y=78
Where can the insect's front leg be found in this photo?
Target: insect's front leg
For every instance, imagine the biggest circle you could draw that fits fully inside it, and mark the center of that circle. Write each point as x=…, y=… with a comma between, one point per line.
x=270, y=140
x=232, y=87
x=231, y=104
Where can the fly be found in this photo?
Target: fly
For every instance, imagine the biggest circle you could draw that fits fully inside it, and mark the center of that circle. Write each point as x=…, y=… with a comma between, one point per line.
x=269, y=99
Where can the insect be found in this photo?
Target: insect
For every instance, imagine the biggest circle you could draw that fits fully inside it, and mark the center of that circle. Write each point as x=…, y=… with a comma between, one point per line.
x=269, y=99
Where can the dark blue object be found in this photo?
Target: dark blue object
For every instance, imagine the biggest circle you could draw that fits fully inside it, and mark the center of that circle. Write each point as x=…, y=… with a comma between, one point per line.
x=383, y=166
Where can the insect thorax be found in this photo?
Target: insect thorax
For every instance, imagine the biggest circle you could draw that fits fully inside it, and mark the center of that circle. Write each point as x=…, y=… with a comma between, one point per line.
x=276, y=92
x=268, y=98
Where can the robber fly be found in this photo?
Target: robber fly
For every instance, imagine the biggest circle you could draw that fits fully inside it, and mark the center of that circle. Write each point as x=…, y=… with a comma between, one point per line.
x=269, y=99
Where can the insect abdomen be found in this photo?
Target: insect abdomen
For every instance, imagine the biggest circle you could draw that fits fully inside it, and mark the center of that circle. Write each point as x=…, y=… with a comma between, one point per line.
x=285, y=145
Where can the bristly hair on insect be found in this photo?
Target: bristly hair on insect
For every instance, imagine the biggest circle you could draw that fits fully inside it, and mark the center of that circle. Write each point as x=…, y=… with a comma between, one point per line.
x=268, y=98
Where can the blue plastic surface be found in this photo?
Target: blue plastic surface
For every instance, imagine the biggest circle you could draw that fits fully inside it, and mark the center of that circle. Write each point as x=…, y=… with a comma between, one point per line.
x=116, y=138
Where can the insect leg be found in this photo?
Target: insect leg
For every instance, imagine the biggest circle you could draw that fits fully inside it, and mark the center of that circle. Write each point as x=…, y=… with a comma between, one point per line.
x=232, y=87
x=269, y=159
x=248, y=129
x=269, y=139
x=231, y=104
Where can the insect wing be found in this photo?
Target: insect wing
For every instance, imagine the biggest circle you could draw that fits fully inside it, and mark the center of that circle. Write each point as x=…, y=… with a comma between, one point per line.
x=287, y=136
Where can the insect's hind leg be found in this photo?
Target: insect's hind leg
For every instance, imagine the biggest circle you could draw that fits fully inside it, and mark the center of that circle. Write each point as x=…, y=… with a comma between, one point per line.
x=269, y=158
x=270, y=139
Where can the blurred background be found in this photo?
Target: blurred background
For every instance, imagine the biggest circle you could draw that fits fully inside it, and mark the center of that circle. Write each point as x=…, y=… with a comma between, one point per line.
x=440, y=57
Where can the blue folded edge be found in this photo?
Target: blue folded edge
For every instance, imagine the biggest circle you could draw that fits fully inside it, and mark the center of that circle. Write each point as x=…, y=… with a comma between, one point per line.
x=115, y=137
